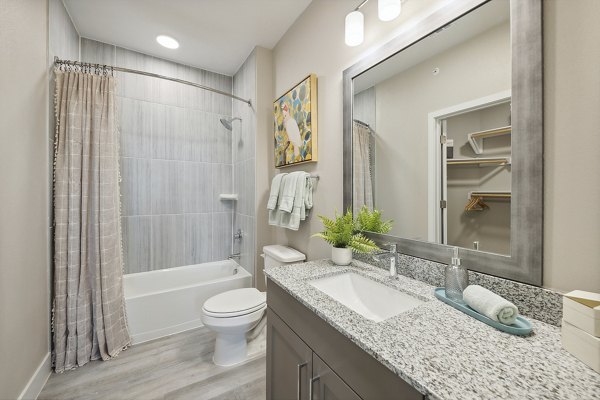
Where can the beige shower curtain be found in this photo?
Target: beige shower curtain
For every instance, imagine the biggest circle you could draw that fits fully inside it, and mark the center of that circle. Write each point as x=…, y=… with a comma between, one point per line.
x=362, y=185
x=89, y=319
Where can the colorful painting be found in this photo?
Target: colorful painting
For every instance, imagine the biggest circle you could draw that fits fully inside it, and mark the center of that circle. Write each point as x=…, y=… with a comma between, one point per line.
x=295, y=116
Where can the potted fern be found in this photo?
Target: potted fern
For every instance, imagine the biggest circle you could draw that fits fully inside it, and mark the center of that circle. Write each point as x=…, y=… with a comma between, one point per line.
x=345, y=234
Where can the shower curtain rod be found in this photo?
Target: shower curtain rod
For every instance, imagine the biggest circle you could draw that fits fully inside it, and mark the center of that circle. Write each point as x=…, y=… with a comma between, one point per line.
x=58, y=61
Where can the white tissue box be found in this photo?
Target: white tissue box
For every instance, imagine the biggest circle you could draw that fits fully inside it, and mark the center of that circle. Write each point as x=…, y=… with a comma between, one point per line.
x=582, y=310
x=582, y=345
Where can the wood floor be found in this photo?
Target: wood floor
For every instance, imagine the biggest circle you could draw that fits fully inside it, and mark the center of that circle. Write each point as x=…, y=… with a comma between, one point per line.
x=176, y=367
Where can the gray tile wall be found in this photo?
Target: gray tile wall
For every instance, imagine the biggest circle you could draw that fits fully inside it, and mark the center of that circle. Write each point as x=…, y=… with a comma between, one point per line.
x=176, y=160
x=244, y=150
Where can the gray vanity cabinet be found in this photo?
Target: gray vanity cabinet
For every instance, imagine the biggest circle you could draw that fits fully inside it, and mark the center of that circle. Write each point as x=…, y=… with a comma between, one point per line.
x=294, y=370
x=289, y=363
x=304, y=352
x=326, y=385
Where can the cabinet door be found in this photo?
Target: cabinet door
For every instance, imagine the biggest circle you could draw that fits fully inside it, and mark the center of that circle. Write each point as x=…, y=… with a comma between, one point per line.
x=326, y=385
x=289, y=362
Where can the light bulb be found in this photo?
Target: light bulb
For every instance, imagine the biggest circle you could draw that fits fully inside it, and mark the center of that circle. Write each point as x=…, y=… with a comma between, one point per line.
x=355, y=28
x=167, y=41
x=387, y=10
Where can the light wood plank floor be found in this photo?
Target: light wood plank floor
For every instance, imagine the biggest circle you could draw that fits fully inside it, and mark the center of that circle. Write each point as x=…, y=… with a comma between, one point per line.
x=177, y=367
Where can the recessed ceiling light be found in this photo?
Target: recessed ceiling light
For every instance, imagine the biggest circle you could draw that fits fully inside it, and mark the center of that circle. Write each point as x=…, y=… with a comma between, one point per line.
x=167, y=41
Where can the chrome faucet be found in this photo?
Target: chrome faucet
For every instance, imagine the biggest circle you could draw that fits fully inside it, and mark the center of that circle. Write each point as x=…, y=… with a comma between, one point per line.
x=392, y=254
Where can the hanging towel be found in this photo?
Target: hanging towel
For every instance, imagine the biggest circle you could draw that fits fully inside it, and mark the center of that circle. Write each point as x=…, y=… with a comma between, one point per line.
x=299, y=211
x=290, y=186
x=274, y=195
x=308, y=195
x=275, y=214
x=490, y=304
x=300, y=202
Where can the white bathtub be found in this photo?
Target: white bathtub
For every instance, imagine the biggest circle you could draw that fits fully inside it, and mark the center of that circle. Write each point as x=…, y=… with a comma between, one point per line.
x=168, y=301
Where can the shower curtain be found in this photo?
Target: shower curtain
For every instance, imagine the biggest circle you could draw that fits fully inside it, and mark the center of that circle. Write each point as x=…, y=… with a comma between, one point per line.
x=89, y=320
x=362, y=185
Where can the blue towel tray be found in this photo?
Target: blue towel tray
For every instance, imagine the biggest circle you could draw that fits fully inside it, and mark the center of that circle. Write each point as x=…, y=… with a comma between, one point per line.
x=521, y=327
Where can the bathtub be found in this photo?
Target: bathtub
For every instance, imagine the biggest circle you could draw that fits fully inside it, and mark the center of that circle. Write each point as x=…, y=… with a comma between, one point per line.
x=168, y=301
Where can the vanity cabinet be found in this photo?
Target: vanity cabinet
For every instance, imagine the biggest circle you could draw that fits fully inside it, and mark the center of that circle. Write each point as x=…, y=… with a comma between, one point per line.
x=289, y=362
x=326, y=385
x=308, y=359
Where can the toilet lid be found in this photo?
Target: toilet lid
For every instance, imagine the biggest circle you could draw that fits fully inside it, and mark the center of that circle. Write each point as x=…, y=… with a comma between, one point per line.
x=235, y=302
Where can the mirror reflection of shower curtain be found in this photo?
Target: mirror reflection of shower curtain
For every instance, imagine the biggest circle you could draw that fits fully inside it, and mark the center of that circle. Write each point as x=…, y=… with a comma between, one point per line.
x=362, y=186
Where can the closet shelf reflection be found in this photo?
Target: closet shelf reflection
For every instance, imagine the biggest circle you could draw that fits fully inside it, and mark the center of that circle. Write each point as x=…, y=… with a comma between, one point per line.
x=476, y=199
x=476, y=138
x=482, y=162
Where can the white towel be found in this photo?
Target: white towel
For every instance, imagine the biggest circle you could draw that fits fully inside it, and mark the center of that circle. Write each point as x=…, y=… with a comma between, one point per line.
x=299, y=211
x=276, y=213
x=308, y=194
x=490, y=304
x=273, y=196
x=301, y=201
x=288, y=195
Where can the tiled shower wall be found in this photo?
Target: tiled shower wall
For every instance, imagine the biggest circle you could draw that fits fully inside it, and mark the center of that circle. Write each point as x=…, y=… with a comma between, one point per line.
x=244, y=150
x=176, y=160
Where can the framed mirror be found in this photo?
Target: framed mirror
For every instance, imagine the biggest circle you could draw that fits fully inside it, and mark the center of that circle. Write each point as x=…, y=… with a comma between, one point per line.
x=443, y=133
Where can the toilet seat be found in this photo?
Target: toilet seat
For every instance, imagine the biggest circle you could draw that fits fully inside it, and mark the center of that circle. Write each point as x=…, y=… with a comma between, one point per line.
x=235, y=303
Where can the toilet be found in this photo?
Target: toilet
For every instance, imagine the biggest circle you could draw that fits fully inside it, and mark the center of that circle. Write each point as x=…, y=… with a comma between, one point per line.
x=237, y=315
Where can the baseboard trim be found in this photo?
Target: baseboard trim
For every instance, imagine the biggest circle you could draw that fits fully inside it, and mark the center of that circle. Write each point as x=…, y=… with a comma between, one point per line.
x=141, y=337
x=38, y=380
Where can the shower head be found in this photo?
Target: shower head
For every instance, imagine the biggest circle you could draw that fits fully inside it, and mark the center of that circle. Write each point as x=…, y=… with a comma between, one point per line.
x=226, y=121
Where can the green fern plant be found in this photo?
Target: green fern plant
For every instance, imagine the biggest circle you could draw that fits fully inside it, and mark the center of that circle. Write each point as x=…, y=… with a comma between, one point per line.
x=370, y=221
x=343, y=231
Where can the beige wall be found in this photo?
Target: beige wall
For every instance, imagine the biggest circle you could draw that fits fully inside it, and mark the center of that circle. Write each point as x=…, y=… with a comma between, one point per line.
x=319, y=33
x=572, y=142
x=572, y=100
x=24, y=164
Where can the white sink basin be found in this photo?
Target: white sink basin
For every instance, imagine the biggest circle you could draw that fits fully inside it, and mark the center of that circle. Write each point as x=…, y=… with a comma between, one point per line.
x=367, y=297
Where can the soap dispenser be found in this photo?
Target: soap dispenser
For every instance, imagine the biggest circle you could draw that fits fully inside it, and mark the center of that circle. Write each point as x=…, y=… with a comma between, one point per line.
x=457, y=278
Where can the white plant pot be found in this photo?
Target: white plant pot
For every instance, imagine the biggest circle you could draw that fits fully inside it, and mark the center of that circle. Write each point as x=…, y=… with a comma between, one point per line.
x=341, y=256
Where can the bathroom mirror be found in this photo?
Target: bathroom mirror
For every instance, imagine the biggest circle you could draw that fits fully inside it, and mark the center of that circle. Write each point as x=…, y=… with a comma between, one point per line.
x=443, y=133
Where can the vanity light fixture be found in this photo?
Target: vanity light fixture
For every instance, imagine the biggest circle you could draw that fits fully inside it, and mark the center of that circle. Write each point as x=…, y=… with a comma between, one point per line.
x=167, y=41
x=388, y=10
x=354, y=30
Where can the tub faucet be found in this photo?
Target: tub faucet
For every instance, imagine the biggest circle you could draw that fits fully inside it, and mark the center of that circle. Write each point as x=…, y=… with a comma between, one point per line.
x=236, y=256
x=392, y=254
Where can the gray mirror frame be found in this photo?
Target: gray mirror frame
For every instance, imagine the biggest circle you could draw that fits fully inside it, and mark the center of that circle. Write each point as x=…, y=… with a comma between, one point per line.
x=524, y=264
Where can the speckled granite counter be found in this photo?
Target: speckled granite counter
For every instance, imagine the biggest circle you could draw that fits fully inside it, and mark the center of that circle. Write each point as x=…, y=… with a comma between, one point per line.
x=442, y=352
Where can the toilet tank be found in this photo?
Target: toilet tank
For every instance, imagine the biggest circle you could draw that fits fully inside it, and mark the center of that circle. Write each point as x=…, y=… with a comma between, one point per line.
x=277, y=255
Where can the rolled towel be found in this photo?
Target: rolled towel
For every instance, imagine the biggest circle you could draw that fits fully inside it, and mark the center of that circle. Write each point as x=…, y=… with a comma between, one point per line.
x=490, y=304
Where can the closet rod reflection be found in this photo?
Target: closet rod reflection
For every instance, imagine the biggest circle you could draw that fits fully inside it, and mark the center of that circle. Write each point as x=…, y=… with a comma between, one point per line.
x=58, y=61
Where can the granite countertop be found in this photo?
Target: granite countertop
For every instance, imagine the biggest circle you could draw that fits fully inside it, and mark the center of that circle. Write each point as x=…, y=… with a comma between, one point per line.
x=442, y=352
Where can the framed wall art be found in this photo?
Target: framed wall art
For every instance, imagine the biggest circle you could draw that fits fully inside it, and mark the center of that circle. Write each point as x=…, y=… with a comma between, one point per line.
x=295, y=115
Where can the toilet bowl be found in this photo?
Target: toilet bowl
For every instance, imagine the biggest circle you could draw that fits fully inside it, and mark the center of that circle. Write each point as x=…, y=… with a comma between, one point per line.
x=232, y=314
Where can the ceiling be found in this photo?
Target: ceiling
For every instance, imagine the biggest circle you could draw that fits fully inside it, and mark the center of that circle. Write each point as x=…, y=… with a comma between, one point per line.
x=216, y=35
